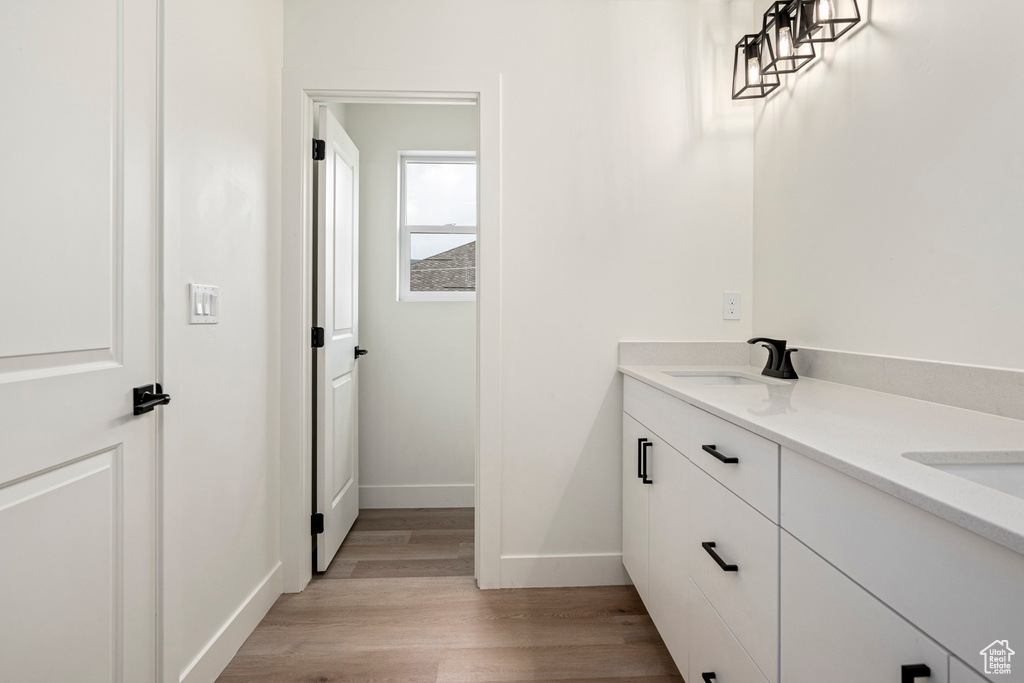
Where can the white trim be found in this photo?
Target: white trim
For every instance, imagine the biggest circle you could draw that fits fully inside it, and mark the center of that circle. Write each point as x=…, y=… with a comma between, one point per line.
x=329, y=84
x=557, y=571
x=417, y=496
x=219, y=651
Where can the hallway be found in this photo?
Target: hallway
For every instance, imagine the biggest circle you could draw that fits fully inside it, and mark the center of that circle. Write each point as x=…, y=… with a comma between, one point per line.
x=399, y=603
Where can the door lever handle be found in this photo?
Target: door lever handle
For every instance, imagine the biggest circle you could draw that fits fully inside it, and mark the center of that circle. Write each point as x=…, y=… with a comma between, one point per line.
x=361, y=352
x=147, y=397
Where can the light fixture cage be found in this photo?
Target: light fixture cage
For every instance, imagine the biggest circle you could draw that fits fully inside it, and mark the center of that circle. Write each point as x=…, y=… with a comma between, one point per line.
x=743, y=87
x=780, y=19
x=812, y=27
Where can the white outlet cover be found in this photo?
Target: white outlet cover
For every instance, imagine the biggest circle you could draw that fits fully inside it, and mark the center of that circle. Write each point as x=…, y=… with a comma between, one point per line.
x=731, y=305
x=203, y=304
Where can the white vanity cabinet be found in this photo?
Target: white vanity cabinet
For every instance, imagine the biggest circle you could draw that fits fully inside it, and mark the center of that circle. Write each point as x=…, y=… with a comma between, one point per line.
x=636, y=505
x=735, y=566
x=655, y=481
x=670, y=524
x=963, y=590
x=762, y=565
x=834, y=630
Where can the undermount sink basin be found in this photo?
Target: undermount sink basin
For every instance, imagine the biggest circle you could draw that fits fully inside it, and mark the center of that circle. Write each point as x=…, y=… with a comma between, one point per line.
x=999, y=470
x=723, y=378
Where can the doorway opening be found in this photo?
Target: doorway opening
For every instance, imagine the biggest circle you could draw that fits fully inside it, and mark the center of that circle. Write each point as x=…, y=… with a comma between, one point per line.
x=394, y=276
x=304, y=92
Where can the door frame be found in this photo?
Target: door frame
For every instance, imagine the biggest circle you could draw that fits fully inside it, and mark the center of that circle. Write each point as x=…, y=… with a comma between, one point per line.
x=302, y=90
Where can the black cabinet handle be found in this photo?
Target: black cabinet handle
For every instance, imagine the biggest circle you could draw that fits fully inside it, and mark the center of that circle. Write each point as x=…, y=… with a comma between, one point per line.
x=643, y=449
x=147, y=397
x=640, y=457
x=710, y=547
x=709, y=676
x=909, y=672
x=727, y=460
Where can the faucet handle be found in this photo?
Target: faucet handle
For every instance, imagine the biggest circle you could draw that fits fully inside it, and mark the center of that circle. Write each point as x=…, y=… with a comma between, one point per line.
x=776, y=352
x=786, y=369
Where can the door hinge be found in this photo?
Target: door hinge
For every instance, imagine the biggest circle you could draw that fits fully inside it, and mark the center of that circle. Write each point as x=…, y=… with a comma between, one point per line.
x=319, y=150
x=316, y=523
x=317, y=338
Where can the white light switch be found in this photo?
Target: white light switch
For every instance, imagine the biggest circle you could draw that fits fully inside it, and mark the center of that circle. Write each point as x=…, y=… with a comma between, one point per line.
x=203, y=304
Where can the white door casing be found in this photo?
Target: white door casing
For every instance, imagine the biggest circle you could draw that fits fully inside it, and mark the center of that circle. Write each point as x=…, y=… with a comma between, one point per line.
x=337, y=311
x=78, y=251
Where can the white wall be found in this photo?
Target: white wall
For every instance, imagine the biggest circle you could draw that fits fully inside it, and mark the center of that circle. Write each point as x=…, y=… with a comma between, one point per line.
x=626, y=212
x=222, y=209
x=888, y=195
x=417, y=386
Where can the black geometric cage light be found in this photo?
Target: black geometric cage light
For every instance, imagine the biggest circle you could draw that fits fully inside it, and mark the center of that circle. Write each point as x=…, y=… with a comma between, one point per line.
x=748, y=79
x=824, y=21
x=780, y=52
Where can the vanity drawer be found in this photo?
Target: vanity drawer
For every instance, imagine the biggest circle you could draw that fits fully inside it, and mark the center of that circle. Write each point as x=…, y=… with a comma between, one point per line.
x=665, y=415
x=751, y=470
x=715, y=654
x=963, y=590
x=747, y=597
x=834, y=630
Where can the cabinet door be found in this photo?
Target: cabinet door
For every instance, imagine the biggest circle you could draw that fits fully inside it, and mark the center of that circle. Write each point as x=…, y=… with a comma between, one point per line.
x=833, y=630
x=669, y=554
x=635, y=505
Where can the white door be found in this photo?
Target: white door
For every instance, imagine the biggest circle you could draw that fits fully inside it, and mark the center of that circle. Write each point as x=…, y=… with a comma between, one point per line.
x=337, y=249
x=77, y=333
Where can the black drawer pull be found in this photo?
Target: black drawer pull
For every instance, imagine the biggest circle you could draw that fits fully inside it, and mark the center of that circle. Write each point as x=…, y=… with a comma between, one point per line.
x=710, y=547
x=727, y=460
x=709, y=676
x=910, y=672
x=639, y=457
x=643, y=449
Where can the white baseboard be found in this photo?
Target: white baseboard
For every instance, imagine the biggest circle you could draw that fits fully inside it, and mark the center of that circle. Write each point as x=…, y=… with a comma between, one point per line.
x=556, y=571
x=213, y=658
x=418, y=496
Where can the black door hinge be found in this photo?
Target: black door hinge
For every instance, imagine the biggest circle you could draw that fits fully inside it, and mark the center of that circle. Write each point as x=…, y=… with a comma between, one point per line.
x=316, y=523
x=319, y=150
x=317, y=338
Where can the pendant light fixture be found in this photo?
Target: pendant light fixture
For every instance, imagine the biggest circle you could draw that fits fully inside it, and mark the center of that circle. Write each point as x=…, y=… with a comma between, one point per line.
x=780, y=52
x=824, y=21
x=749, y=78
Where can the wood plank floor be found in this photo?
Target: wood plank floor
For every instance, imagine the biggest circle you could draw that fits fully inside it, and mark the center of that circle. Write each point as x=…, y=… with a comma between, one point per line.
x=399, y=603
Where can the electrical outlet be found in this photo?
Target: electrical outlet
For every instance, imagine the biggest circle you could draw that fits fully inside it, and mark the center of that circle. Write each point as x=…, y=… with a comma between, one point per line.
x=730, y=306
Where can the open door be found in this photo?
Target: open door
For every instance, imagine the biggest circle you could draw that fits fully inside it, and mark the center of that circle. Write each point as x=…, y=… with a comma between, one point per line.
x=336, y=303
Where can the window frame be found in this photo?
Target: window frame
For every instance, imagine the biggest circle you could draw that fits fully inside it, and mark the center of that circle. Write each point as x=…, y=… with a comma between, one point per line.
x=405, y=231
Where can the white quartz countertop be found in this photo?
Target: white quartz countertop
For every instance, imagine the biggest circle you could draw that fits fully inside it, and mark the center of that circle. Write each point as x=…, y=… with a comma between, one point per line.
x=864, y=434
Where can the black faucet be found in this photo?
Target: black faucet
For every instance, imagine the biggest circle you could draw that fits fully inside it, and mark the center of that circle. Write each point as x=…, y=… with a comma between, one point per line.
x=779, y=362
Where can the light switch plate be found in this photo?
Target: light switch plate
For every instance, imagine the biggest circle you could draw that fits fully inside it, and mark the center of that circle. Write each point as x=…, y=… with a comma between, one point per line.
x=203, y=304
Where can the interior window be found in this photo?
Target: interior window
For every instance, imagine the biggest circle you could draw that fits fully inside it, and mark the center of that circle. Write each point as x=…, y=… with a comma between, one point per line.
x=437, y=241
